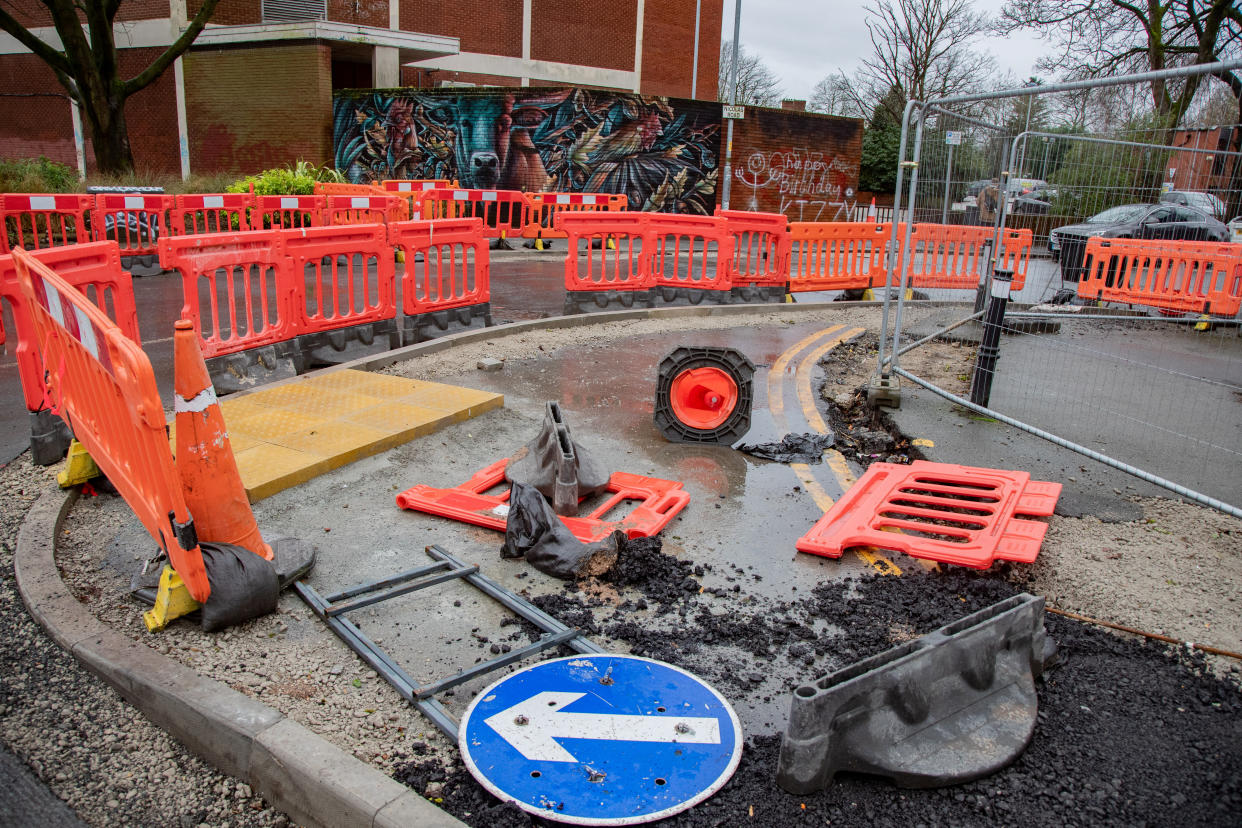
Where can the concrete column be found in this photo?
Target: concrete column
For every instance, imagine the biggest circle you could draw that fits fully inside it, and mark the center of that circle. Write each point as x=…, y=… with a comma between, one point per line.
x=178, y=19
x=394, y=15
x=638, y=46
x=526, y=27
x=79, y=142
x=386, y=67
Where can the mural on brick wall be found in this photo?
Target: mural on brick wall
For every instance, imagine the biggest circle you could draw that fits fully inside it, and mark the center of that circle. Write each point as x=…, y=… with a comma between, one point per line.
x=661, y=154
x=805, y=166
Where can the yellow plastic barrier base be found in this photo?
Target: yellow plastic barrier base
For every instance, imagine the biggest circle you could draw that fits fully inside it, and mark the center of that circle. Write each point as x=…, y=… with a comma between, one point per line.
x=172, y=600
x=869, y=295
x=1203, y=324
x=79, y=467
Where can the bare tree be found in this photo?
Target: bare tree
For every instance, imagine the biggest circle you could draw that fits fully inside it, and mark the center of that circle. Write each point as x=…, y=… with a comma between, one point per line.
x=924, y=49
x=1096, y=38
x=757, y=84
x=837, y=95
x=87, y=65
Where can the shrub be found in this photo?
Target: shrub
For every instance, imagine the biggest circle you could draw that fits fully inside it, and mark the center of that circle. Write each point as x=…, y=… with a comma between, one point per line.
x=296, y=180
x=37, y=175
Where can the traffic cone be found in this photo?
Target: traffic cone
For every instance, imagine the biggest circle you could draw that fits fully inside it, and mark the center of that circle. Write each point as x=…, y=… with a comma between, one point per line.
x=209, y=477
x=871, y=214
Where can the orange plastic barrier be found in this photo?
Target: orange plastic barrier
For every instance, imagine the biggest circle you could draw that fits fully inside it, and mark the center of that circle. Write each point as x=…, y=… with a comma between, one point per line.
x=94, y=269
x=344, y=275
x=659, y=501
x=398, y=206
x=35, y=221
x=953, y=256
x=954, y=514
x=285, y=212
x=543, y=209
x=694, y=252
x=606, y=251
x=761, y=247
x=1188, y=277
x=137, y=222
x=364, y=209
x=237, y=288
x=222, y=213
x=837, y=255
x=104, y=386
x=454, y=270
x=504, y=212
x=411, y=190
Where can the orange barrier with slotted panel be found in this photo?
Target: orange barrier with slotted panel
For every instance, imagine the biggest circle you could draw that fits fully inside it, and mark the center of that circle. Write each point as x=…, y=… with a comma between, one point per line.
x=194, y=215
x=693, y=252
x=287, y=212
x=136, y=221
x=1015, y=254
x=836, y=255
x=761, y=247
x=453, y=270
x=364, y=209
x=953, y=256
x=656, y=503
x=504, y=212
x=543, y=208
x=94, y=269
x=954, y=514
x=34, y=221
x=104, y=386
x=343, y=275
x=398, y=207
x=411, y=190
x=1196, y=277
x=606, y=251
x=237, y=288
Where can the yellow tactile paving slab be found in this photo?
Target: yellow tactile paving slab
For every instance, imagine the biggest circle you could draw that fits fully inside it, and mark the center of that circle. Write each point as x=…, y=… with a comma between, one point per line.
x=289, y=434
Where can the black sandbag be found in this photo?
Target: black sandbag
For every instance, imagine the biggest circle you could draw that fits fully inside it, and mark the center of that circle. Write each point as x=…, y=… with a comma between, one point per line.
x=534, y=531
x=794, y=448
x=557, y=465
x=243, y=585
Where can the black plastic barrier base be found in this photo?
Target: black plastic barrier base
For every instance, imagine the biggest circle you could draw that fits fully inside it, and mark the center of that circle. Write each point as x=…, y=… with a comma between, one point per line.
x=946, y=708
x=318, y=350
x=49, y=438
x=424, y=326
x=588, y=301
x=244, y=370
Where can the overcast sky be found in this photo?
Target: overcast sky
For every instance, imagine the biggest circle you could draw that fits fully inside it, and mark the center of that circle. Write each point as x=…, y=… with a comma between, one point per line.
x=803, y=42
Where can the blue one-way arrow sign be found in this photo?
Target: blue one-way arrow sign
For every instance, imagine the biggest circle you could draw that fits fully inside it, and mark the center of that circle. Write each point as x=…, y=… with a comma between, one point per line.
x=601, y=739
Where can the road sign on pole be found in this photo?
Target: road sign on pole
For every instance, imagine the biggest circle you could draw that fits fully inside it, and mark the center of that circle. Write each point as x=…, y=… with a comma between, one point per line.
x=733, y=111
x=953, y=138
x=601, y=739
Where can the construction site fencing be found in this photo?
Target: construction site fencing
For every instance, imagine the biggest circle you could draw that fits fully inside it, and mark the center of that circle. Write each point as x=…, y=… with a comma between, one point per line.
x=103, y=385
x=364, y=209
x=346, y=276
x=1132, y=357
x=543, y=208
x=135, y=222
x=94, y=270
x=411, y=190
x=285, y=212
x=447, y=281
x=761, y=248
x=34, y=221
x=504, y=213
x=220, y=213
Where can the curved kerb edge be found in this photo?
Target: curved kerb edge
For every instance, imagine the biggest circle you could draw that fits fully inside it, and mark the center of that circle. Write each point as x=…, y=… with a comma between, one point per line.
x=295, y=770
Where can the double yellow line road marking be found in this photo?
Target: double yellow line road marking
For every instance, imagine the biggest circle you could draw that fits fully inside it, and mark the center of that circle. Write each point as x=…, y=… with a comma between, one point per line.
x=815, y=346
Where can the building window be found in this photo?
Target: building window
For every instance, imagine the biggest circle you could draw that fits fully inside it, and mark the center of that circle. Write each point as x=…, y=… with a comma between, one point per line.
x=276, y=11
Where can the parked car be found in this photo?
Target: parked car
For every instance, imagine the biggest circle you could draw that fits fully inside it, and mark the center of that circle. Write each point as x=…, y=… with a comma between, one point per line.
x=1131, y=221
x=1206, y=202
x=1034, y=203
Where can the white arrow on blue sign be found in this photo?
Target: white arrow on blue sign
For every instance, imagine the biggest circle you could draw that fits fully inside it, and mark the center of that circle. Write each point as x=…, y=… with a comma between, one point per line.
x=601, y=739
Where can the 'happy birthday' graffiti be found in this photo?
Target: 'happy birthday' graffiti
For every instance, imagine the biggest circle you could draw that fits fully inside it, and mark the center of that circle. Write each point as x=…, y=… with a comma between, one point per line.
x=807, y=182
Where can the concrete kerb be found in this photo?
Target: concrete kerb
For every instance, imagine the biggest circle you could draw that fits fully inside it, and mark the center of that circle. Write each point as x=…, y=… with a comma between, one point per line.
x=295, y=770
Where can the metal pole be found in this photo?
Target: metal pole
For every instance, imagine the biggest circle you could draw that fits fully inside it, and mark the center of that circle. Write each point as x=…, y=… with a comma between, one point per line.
x=881, y=369
x=907, y=249
x=982, y=290
x=989, y=347
x=948, y=176
x=728, y=164
x=694, y=73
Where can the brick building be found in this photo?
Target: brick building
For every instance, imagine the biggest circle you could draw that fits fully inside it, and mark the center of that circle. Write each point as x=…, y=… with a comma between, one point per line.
x=256, y=88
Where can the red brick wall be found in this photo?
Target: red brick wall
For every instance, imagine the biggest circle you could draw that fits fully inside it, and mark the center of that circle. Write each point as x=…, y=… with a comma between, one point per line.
x=799, y=164
x=668, y=48
x=586, y=32
x=254, y=108
x=152, y=116
x=360, y=12
x=491, y=27
x=34, y=111
x=230, y=12
x=142, y=9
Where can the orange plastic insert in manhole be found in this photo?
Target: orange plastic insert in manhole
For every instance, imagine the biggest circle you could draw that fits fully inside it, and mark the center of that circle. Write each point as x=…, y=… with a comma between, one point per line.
x=659, y=501
x=938, y=511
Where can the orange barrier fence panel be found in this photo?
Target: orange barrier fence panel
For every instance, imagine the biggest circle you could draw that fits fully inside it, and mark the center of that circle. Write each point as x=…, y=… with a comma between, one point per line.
x=606, y=251
x=94, y=269
x=237, y=288
x=364, y=209
x=34, y=221
x=949, y=256
x=453, y=270
x=690, y=252
x=761, y=247
x=544, y=207
x=1187, y=277
x=503, y=211
x=104, y=386
x=837, y=255
x=287, y=212
x=221, y=213
x=136, y=222
x=411, y=190
x=342, y=276
x=399, y=207
x=1015, y=254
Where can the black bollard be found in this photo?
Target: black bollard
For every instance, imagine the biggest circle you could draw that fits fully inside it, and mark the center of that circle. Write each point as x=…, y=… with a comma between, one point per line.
x=989, y=348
